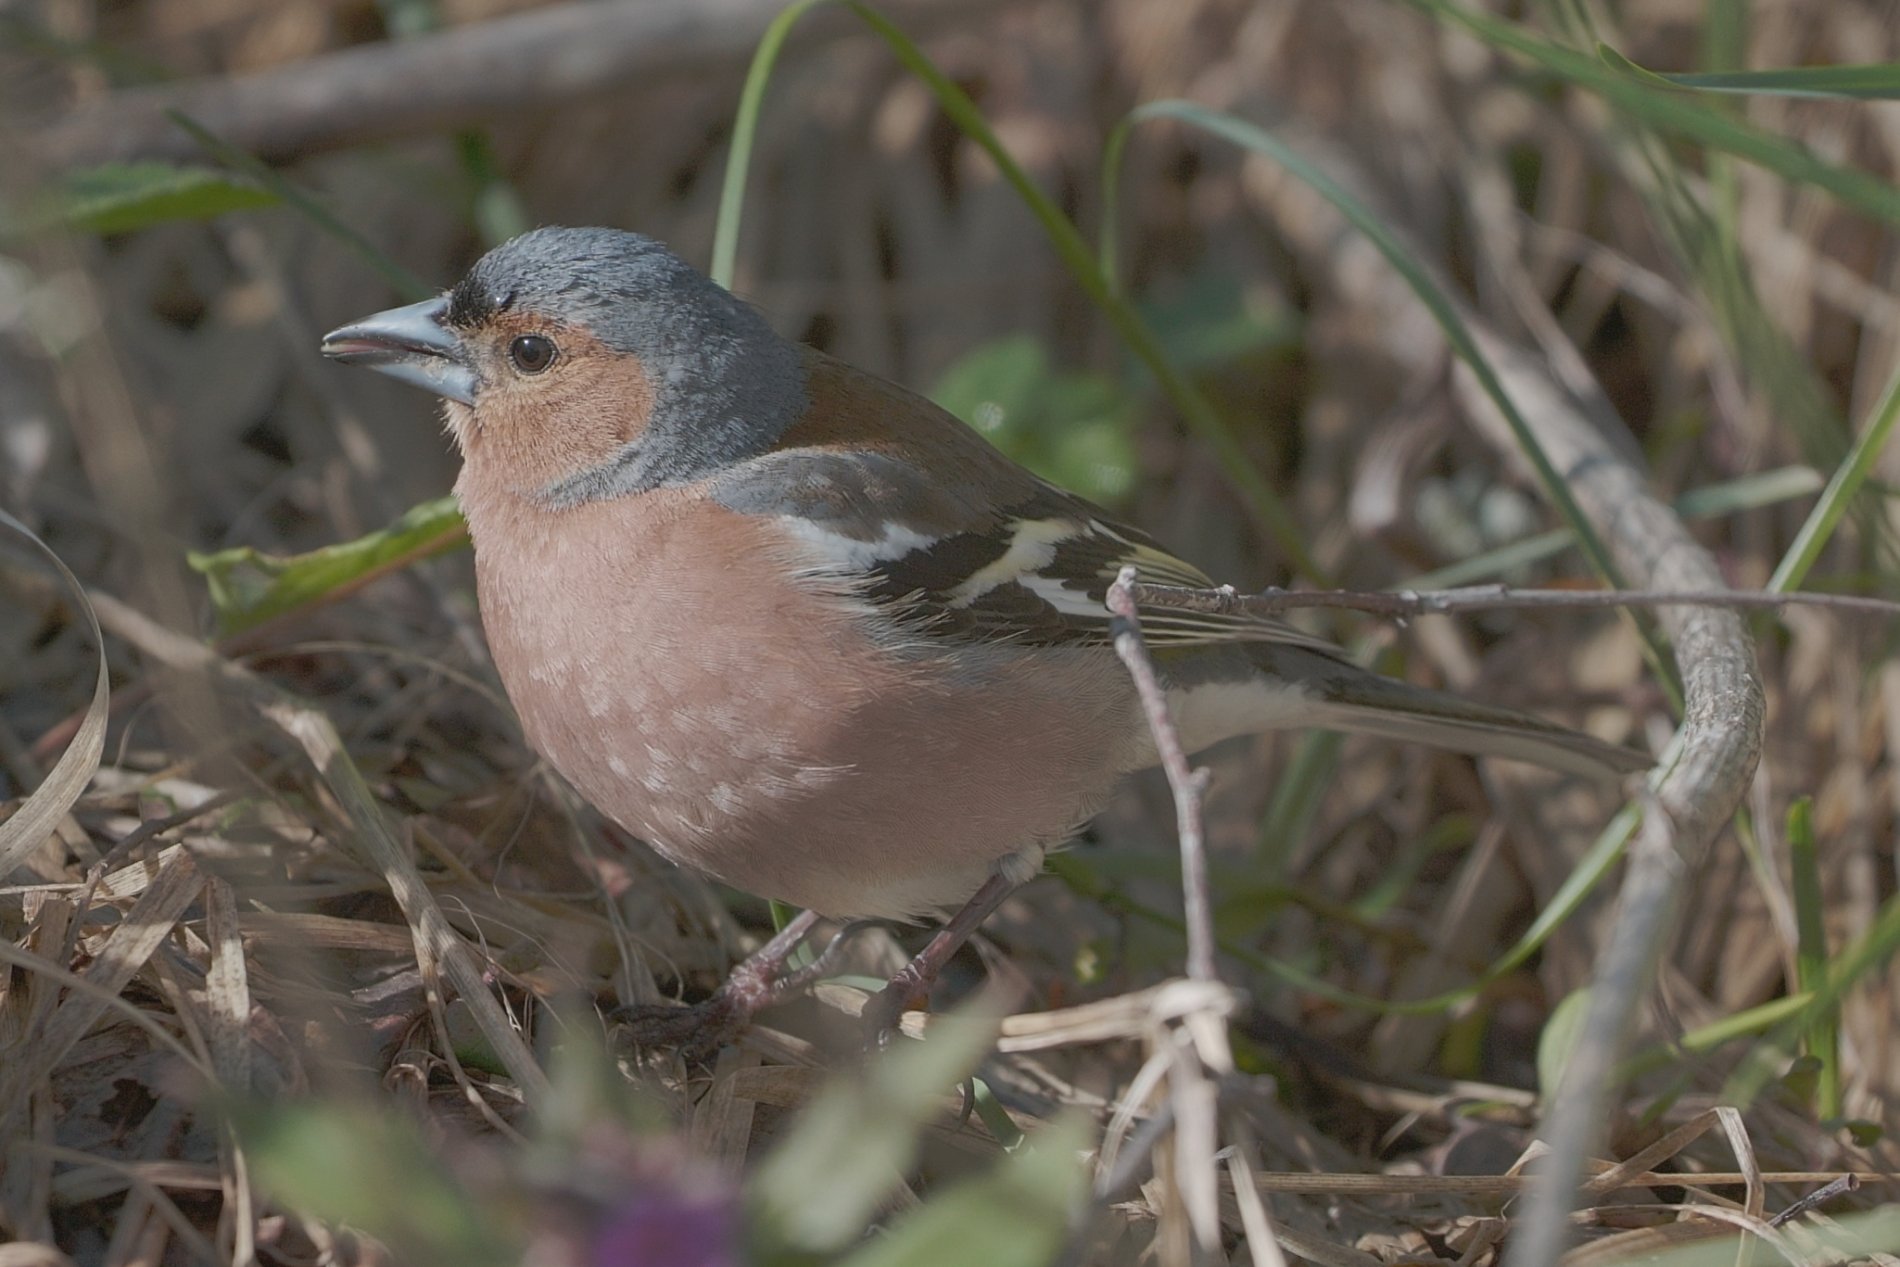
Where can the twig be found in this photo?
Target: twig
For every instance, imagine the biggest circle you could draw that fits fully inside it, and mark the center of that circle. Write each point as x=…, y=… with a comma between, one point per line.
x=1587, y=443
x=1715, y=750
x=1186, y=782
x=1190, y=1039
x=478, y=73
x=1836, y=1187
x=1226, y=601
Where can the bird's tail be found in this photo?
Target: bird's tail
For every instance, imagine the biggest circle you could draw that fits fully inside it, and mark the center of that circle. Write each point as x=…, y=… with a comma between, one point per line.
x=1417, y=715
x=1337, y=695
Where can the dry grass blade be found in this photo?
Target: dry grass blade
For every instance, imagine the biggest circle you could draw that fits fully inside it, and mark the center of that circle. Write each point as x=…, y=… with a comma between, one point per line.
x=1416, y=930
x=436, y=943
x=722, y=1120
x=23, y=1254
x=145, y=1186
x=35, y=819
x=227, y=988
x=438, y=947
x=228, y=1002
x=46, y=970
x=143, y=929
x=1616, y=1179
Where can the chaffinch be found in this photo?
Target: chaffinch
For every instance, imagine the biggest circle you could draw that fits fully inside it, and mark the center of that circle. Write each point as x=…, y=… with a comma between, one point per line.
x=801, y=629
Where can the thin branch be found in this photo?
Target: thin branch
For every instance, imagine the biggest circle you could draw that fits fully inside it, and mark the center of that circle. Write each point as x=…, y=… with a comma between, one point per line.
x=1186, y=781
x=1479, y=598
x=1719, y=742
x=478, y=73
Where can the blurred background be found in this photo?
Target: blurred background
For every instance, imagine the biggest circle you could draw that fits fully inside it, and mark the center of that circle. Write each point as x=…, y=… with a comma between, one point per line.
x=1731, y=325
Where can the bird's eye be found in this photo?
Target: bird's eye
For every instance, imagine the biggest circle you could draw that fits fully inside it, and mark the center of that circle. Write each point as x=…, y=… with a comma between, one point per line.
x=532, y=353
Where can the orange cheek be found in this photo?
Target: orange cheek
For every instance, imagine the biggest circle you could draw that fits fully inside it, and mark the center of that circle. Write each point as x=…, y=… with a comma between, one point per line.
x=537, y=432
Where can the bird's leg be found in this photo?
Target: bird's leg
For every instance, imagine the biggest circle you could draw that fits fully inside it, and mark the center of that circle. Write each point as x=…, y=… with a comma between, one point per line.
x=755, y=984
x=910, y=986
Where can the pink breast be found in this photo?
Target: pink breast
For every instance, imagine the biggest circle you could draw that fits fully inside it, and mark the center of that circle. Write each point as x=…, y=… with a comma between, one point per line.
x=748, y=727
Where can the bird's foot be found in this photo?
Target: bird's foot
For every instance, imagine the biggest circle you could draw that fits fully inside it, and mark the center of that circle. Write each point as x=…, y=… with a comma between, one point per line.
x=884, y=1011
x=910, y=987
x=703, y=1028
x=700, y=1029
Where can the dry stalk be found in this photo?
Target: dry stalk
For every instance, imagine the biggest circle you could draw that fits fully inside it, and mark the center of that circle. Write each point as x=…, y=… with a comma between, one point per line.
x=481, y=72
x=1187, y=783
x=1403, y=604
x=1708, y=767
x=1704, y=777
x=438, y=947
x=1187, y=1021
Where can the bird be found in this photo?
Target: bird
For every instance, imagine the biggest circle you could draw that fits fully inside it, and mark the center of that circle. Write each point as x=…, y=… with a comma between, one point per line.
x=805, y=632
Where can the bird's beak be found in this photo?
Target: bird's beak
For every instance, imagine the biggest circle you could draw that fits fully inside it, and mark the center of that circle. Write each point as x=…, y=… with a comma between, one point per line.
x=411, y=345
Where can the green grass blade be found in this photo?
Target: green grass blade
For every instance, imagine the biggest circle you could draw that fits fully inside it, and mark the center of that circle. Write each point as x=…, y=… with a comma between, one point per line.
x=494, y=205
x=1295, y=806
x=1677, y=113
x=1108, y=243
x=373, y=1170
x=1699, y=217
x=1707, y=1038
x=404, y=282
x=1751, y=492
x=1259, y=141
x=850, y=1147
x=1870, y=952
x=1838, y=495
x=1596, y=864
x=1266, y=505
x=745, y=131
x=1823, y=1039
x=1075, y=255
x=1874, y=81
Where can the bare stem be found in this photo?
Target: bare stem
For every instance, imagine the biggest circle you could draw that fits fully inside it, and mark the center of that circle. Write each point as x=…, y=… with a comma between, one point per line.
x=1475, y=598
x=1186, y=782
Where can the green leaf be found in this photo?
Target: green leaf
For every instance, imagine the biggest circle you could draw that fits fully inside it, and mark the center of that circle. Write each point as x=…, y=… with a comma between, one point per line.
x=819, y=1189
x=1017, y=1215
x=1209, y=321
x=1074, y=429
x=1559, y=1040
x=369, y=1169
x=119, y=197
x=249, y=587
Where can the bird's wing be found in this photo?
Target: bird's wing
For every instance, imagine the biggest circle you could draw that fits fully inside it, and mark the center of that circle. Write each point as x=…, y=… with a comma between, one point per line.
x=1035, y=570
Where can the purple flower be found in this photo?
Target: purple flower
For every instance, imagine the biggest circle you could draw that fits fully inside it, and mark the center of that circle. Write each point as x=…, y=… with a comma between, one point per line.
x=669, y=1229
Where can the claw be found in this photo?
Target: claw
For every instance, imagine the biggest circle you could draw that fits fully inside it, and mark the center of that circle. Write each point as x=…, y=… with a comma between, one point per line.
x=697, y=1031
x=703, y=1028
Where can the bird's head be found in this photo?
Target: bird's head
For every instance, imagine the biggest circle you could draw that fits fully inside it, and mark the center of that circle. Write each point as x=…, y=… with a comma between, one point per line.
x=589, y=363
